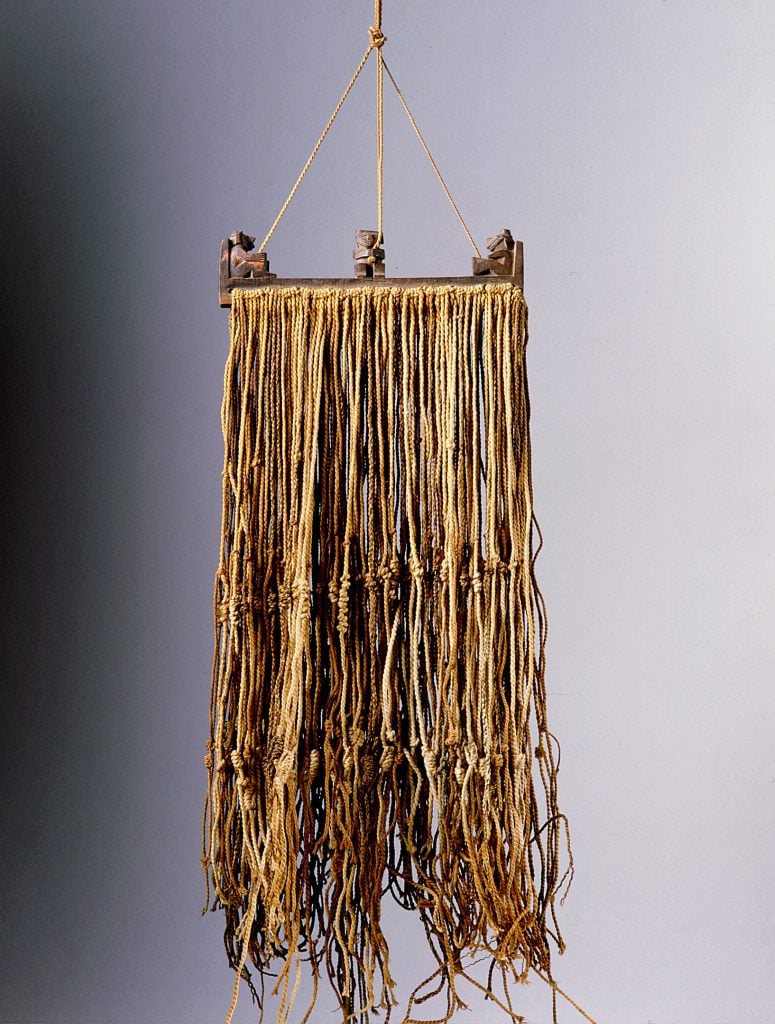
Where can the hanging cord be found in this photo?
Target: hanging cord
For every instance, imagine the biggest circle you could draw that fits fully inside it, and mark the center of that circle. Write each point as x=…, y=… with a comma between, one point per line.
x=378, y=40
x=556, y=990
x=433, y=162
x=318, y=144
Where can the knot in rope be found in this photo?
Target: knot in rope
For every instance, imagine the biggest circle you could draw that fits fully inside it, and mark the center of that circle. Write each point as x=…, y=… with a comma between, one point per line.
x=343, y=611
x=395, y=576
x=235, y=605
x=285, y=769
x=429, y=759
x=388, y=759
x=416, y=568
x=370, y=581
x=248, y=794
x=357, y=737
x=378, y=39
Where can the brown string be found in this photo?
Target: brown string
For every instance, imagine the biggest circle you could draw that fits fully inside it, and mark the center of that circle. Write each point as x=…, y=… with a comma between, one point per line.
x=378, y=698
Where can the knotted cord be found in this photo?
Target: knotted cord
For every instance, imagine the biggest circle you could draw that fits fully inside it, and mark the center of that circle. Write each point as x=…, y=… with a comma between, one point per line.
x=378, y=714
x=378, y=690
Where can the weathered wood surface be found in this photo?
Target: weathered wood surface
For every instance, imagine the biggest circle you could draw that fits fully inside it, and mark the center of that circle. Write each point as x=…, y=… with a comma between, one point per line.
x=239, y=262
x=368, y=254
x=505, y=263
x=506, y=257
x=247, y=284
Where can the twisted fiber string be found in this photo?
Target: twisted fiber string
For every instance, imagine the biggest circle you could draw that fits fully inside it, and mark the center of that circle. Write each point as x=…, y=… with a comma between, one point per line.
x=378, y=707
x=373, y=43
x=383, y=66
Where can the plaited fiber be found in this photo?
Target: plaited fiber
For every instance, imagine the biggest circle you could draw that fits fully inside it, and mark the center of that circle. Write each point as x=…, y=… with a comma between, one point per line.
x=378, y=711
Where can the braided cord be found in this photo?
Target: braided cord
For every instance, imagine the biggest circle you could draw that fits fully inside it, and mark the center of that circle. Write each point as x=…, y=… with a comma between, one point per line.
x=318, y=144
x=376, y=41
x=434, y=165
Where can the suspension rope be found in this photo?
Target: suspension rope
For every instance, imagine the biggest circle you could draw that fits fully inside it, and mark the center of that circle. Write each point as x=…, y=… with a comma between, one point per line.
x=318, y=144
x=434, y=165
x=376, y=41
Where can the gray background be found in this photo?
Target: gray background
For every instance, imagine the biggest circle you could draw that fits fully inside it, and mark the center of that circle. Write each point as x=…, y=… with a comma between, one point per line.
x=631, y=146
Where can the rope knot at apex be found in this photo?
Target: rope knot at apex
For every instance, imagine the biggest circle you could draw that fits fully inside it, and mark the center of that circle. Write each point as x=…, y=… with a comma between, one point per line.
x=378, y=40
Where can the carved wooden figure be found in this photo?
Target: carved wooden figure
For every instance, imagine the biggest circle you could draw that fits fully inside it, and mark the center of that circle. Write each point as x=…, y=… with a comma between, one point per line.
x=238, y=262
x=369, y=257
x=505, y=259
x=242, y=268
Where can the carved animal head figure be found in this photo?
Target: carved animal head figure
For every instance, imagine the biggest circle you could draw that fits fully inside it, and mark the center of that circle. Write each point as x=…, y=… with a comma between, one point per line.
x=240, y=238
x=366, y=239
x=501, y=241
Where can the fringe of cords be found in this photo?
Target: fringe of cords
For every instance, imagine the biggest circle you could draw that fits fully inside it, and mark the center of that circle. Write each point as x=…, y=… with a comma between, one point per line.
x=378, y=708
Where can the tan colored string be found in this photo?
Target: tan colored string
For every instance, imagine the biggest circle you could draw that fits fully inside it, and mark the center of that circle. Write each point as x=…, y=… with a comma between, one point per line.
x=376, y=41
x=378, y=709
x=316, y=147
x=556, y=988
x=433, y=163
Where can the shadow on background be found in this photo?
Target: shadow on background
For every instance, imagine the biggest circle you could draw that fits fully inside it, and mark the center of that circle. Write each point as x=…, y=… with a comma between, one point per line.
x=70, y=381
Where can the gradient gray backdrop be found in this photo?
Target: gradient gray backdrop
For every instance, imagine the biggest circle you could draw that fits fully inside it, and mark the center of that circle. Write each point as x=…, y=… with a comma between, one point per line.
x=631, y=145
